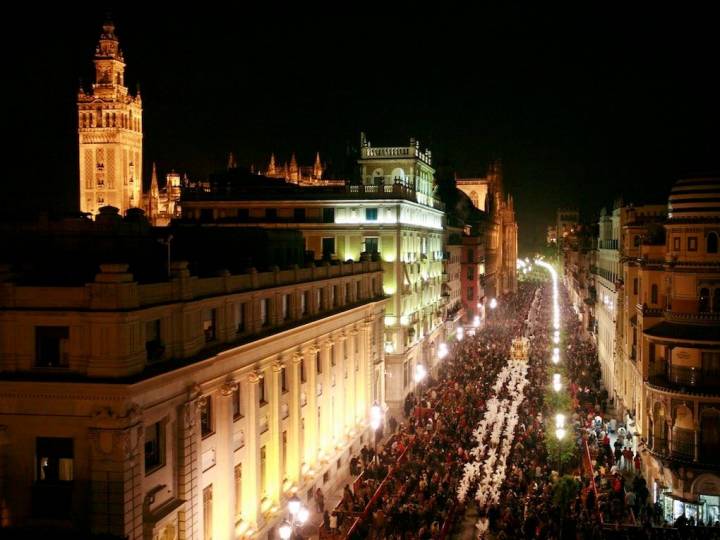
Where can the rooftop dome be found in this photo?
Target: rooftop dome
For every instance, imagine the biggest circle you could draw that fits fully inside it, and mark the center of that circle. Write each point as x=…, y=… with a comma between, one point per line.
x=695, y=199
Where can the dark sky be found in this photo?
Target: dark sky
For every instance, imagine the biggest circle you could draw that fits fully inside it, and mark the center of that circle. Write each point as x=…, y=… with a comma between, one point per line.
x=581, y=106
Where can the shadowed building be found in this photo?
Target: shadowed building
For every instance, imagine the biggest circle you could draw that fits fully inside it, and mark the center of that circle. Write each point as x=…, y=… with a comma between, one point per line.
x=184, y=402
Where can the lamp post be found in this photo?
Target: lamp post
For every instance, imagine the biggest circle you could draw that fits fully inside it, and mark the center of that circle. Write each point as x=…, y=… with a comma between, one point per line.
x=557, y=384
x=375, y=422
x=298, y=516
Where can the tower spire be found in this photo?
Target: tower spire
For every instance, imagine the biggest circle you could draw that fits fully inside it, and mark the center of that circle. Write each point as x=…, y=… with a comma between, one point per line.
x=317, y=167
x=272, y=169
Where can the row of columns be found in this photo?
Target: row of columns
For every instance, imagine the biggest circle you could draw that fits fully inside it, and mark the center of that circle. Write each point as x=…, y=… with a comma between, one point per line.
x=325, y=419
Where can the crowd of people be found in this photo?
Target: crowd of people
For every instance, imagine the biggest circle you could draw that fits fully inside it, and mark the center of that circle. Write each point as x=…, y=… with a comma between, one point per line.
x=409, y=489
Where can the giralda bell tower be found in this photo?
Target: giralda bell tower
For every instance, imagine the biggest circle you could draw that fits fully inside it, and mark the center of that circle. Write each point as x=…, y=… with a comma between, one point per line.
x=109, y=133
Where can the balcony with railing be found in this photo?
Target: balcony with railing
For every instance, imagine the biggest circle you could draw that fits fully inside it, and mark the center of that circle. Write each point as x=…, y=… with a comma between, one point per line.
x=702, y=454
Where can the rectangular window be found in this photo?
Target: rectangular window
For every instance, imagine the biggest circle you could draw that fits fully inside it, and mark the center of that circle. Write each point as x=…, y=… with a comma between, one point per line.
x=51, y=344
x=304, y=302
x=328, y=215
x=237, y=410
x=347, y=293
x=261, y=391
x=318, y=363
x=153, y=344
x=206, y=417
x=357, y=290
x=54, y=475
x=263, y=470
x=207, y=513
x=303, y=378
x=271, y=214
x=299, y=214
x=372, y=244
x=635, y=286
x=154, y=447
x=283, y=456
x=55, y=460
x=692, y=243
x=328, y=247
x=238, y=491
x=319, y=299
x=239, y=318
x=470, y=255
x=331, y=352
x=676, y=243
x=470, y=272
x=209, y=324
x=264, y=315
x=470, y=293
x=332, y=296
x=371, y=214
x=283, y=379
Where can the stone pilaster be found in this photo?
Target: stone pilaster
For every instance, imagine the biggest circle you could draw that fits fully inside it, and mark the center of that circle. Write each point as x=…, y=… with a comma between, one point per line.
x=223, y=484
x=188, y=445
x=294, y=458
x=116, y=446
x=311, y=416
x=325, y=428
x=274, y=476
x=251, y=489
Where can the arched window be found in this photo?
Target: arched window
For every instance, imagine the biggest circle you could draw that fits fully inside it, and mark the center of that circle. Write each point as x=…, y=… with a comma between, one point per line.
x=654, y=294
x=712, y=243
x=704, y=300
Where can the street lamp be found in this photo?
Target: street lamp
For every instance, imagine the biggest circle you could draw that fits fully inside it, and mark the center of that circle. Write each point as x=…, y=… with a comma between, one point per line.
x=460, y=333
x=557, y=385
x=442, y=350
x=493, y=303
x=298, y=516
x=285, y=530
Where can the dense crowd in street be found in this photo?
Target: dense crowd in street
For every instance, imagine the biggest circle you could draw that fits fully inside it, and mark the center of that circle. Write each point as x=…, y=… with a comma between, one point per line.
x=409, y=490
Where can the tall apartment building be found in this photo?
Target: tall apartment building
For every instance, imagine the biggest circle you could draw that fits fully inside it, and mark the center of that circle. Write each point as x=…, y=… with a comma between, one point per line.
x=391, y=217
x=192, y=405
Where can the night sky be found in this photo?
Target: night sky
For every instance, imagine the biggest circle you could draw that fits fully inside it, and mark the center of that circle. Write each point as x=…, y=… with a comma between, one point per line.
x=581, y=106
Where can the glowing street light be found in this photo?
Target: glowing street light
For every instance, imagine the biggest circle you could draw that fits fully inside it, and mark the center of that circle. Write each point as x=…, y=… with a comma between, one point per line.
x=557, y=385
x=442, y=350
x=285, y=530
x=560, y=434
x=460, y=333
x=493, y=303
x=294, y=505
x=376, y=414
x=559, y=420
x=476, y=321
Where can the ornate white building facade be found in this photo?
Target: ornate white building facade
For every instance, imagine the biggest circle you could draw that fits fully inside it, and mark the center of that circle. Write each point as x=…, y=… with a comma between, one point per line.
x=190, y=408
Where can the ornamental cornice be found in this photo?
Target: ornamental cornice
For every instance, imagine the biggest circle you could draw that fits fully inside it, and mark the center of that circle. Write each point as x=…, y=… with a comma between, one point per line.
x=296, y=358
x=277, y=367
x=254, y=377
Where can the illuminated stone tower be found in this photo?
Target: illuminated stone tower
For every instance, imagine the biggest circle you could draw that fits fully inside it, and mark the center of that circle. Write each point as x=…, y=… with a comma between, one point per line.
x=109, y=133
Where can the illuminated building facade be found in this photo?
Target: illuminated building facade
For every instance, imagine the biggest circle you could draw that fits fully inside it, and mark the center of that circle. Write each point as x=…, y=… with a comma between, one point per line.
x=392, y=216
x=500, y=230
x=110, y=133
x=678, y=353
x=161, y=205
x=186, y=407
